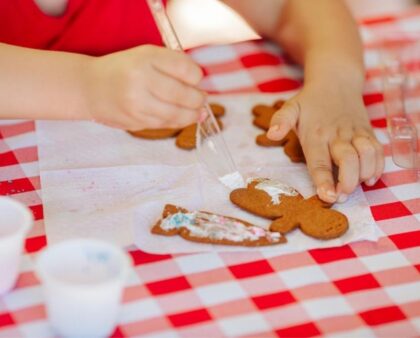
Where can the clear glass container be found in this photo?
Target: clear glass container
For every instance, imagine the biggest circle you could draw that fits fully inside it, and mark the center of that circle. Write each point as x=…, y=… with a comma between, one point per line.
x=400, y=56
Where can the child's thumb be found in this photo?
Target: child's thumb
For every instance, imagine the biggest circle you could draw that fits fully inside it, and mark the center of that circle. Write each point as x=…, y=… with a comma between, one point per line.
x=284, y=120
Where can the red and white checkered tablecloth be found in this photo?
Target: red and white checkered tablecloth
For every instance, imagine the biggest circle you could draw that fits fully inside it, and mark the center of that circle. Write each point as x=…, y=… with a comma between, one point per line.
x=362, y=289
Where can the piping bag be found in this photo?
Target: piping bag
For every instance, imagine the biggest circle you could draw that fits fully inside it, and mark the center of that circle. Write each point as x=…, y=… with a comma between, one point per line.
x=211, y=147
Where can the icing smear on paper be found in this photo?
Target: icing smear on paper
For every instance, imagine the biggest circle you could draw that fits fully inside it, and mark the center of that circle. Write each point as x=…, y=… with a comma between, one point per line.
x=274, y=188
x=233, y=180
x=207, y=225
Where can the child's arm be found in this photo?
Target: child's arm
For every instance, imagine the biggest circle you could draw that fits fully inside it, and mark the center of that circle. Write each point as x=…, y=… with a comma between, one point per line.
x=328, y=112
x=144, y=87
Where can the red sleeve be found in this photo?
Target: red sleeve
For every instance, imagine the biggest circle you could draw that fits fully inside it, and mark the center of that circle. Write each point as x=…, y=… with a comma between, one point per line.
x=94, y=27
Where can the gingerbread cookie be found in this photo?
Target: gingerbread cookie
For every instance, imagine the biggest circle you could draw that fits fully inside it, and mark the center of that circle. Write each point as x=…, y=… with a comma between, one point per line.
x=155, y=134
x=278, y=104
x=289, y=210
x=186, y=139
x=217, y=109
x=186, y=135
x=262, y=118
x=205, y=227
x=290, y=143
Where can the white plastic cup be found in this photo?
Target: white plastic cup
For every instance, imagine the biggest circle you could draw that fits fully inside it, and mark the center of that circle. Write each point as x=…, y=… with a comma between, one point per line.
x=15, y=221
x=83, y=281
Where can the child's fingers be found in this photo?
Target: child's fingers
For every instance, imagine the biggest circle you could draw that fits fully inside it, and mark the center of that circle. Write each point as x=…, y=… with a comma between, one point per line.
x=170, y=115
x=134, y=122
x=380, y=160
x=319, y=165
x=346, y=158
x=178, y=65
x=367, y=156
x=284, y=120
x=171, y=90
x=144, y=122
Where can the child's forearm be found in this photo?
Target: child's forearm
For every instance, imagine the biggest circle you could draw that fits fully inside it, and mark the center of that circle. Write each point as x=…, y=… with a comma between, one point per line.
x=38, y=84
x=324, y=37
x=146, y=87
x=320, y=34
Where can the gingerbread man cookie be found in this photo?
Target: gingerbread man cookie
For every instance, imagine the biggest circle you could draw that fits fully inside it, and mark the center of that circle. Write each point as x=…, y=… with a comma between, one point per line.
x=289, y=210
x=262, y=117
x=205, y=227
x=185, y=137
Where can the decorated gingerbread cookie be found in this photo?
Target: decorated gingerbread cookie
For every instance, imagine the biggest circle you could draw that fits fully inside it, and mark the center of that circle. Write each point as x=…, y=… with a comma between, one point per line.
x=289, y=210
x=185, y=137
x=262, y=117
x=205, y=227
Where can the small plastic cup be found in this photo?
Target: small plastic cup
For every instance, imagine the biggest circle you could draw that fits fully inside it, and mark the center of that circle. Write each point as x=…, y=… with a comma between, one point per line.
x=83, y=281
x=15, y=222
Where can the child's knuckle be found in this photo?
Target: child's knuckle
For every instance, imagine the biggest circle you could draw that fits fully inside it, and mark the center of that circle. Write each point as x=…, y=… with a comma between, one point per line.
x=196, y=100
x=177, y=92
x=129, y=102
x=182, y=68
x=364, y=146
x=189, y=71
x=320, y=166
x=319, y=130
x=348, y=155
x=378, y=148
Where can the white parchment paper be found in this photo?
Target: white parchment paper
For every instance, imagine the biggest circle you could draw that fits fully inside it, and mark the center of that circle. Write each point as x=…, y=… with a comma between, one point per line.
x=101, y=182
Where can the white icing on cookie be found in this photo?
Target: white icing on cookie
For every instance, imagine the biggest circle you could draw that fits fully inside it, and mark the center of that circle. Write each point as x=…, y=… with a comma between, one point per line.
x=206, y=225
x=274, y=188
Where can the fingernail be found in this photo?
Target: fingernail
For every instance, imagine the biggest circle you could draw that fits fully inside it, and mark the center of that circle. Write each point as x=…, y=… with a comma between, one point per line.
x=342, y=198
x=371, y=182
x=202, y=115
x=332, y=196
x=331, y=193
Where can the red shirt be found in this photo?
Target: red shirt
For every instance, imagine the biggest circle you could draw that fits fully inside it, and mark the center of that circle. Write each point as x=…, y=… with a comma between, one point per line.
x=94, y=27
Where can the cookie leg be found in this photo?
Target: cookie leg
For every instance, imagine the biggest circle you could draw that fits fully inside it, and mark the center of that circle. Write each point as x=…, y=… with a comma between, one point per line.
x=285, y=224
x=293, y=149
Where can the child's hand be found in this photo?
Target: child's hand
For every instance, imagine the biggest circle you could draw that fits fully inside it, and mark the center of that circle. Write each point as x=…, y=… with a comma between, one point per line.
x=333, y=128
x=144, y=87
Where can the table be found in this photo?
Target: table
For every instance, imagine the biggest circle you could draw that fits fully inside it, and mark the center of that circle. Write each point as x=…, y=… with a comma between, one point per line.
x=362, y=289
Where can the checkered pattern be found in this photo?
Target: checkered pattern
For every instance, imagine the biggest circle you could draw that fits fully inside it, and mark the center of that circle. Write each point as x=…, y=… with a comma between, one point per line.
x=362, y=289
